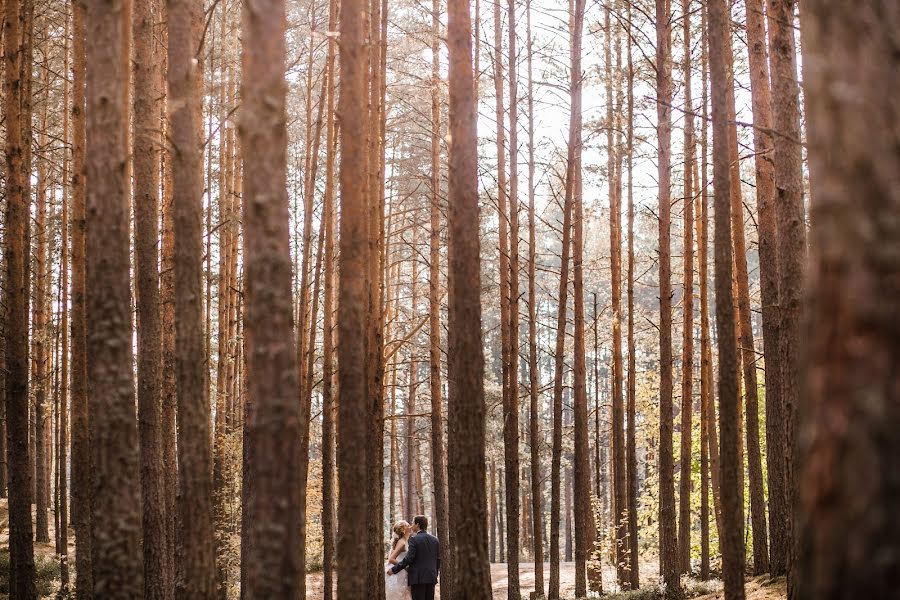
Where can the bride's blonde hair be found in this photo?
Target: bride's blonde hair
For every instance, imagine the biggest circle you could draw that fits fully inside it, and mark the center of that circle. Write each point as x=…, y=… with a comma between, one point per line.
x=399, y=530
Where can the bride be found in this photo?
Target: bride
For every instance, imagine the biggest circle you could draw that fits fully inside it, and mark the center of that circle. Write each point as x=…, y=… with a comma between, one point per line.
x=396, y=587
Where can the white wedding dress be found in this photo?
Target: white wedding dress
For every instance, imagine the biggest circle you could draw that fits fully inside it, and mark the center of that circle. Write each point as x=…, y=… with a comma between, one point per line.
x=396, y=587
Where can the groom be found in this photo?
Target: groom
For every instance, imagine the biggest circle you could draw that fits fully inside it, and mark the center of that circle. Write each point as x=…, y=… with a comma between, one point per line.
x=423, y=559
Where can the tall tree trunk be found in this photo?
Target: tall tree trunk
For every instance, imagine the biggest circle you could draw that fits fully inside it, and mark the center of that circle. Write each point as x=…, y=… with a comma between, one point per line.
x=558, y=373
x=157, y=579
x=438, y=460
x=511, y=417
x=762, y=117
x=765, y=198
x=850, y=476
x=747, y=347
x=791, y=253
x=631, y=409
x=195, y=564
x=584, y=518
x=706, y=422
x=465, y=372
x=40, y=330
x=620, y=509
x=167, y=318
x=353, y=511
x=328, y=391
x=62, y=449
x=17, y=247
x=712, y=442
x=375, y=318
x=687, y=345
x=81, y=449
x=534, y=375
x=731, y=533
x=667, y=533
x=115, y=494
x=272, y=427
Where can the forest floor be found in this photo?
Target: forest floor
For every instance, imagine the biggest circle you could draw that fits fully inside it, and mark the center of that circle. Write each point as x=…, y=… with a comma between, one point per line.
x=760, y=588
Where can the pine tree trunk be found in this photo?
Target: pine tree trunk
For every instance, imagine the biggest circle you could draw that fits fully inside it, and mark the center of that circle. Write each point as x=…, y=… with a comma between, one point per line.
x=511, y=411
x=534, y=375
x=272, y=428
x=40, y=331
x=687, y=345
x=558, y=373
x=353, y=515
x=791, y=253
x=438, y=459
x=620, y=483
x=731, y=533
x=195, y=550
x=62, y=448
x=17, y=247
x=167, y=318
x=849, y=475
x=157, y=579
x=631, y=410
x=116, y=523
x=765, y=198
x=667, y=532
x=584, y=530
x=328, y=391
x=465, y=372
x=759, y=77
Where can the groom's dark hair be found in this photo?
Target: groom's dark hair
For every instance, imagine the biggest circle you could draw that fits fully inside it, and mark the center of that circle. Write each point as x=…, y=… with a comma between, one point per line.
x=422, y=522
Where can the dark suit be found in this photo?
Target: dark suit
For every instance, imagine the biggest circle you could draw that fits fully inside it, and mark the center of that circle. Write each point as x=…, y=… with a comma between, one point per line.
x=423, y=560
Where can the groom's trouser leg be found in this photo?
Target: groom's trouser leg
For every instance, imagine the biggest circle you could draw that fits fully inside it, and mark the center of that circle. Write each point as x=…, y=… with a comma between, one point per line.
x=422, y=592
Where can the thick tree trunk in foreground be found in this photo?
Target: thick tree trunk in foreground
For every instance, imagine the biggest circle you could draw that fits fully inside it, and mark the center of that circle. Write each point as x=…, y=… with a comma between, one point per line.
x=731, y=534
x=849, y=536
x=16, y=240
x=272, y=427
x=668, y=550
x=116, y=522
x=157, y=579
x=195, y=547
x=466, y=416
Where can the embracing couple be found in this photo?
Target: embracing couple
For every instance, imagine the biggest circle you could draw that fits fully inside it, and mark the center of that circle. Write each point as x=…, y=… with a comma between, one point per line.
x=414, y=562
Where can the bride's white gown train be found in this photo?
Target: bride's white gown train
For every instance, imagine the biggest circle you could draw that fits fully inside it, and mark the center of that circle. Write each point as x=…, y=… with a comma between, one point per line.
x=396, y=587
